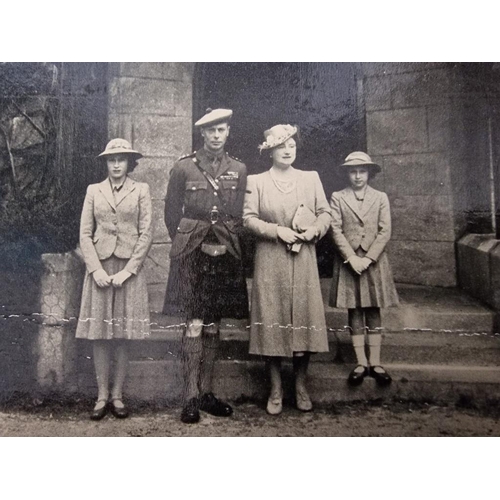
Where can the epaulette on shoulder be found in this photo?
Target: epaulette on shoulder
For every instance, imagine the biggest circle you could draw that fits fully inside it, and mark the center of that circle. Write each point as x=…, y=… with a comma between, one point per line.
x=190, y=155
x=234, y=158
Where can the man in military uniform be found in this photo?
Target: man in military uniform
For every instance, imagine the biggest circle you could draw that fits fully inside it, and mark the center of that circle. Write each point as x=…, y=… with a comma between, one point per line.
x=203, y=209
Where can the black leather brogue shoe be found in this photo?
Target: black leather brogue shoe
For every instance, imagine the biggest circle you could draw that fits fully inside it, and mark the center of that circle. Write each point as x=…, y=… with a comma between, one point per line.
x=214, y=406
x=190, y=413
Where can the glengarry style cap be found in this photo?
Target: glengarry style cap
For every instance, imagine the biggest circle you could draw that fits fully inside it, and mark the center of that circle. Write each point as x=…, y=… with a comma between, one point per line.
x=119, y=146
x=214, y=116
x=278, y=135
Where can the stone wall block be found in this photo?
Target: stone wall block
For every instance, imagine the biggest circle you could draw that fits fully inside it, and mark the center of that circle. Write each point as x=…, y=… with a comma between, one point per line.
x=160, y=233
x=441, y=126
x=397, y=132
x=430, y=263
x=420, y=88
x=156, y=173
x=162, y=136
x=422, y=218
x=145, y=96
x=183, y=99
x=120, y=125
x=422, y=174
x=390, y=68
x=157, y=263
x=175, y=71
x=377, y=93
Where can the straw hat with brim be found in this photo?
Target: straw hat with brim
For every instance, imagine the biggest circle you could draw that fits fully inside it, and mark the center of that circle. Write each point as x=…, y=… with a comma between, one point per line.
x=118, y=147
x=277, y=135
x=360, y=159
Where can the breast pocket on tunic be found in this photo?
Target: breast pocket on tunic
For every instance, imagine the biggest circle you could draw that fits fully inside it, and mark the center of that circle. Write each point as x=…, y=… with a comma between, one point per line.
x=196, y=193
x=230, y=188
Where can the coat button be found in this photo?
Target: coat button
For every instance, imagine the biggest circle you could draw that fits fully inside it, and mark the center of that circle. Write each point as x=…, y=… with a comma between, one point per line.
x=193, y=189
x=215, y=193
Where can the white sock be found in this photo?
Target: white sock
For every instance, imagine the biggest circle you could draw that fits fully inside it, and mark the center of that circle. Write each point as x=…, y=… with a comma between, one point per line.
x=358, y=342
x=374, y=343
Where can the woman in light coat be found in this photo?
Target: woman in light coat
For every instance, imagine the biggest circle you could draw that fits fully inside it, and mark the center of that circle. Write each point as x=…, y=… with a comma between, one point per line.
x=115, y=237
x=362, y=279
x=286, y=209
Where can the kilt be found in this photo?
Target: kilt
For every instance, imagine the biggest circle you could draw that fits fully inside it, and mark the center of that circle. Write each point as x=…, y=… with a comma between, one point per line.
x=205, y=287
x=374, y=288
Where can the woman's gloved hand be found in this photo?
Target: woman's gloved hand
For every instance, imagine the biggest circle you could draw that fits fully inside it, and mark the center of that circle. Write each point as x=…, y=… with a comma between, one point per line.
x=118, y=279
x=102, y=278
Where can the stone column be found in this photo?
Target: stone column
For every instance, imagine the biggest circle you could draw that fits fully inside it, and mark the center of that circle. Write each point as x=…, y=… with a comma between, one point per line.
x=408, y=110
x=151, y=106
x=55, y=347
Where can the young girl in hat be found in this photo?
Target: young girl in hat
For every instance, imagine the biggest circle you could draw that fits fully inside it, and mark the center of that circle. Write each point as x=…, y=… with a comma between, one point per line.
x=362, y=279
x=115, y=237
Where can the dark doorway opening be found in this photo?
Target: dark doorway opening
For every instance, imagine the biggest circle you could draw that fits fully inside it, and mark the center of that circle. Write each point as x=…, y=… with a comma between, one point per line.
x=321, y=98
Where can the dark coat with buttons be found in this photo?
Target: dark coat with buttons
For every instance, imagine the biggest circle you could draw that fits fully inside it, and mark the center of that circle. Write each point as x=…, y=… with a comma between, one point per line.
x=190, y=199
x=119, y=226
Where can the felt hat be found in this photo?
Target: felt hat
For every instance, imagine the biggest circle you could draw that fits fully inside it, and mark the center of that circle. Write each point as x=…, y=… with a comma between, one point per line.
x=360, y=159
x=213, y=116
x=119, y=146
x=278, y=135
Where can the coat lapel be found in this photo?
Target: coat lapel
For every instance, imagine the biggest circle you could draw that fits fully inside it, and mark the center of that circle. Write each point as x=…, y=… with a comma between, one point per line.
x=352, y=203
x=105, y=189
x=370, y=197
x=128, y=186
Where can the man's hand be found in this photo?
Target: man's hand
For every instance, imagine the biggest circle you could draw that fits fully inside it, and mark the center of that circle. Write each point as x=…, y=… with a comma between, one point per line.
x=118, y=279
x=287, y=235
x=102, y=278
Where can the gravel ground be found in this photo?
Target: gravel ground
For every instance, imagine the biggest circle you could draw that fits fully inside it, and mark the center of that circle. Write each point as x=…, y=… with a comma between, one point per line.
x=25, y=417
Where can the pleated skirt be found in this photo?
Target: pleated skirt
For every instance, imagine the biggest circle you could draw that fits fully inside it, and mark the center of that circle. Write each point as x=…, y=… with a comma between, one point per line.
x=114, y=313
x=374, y=288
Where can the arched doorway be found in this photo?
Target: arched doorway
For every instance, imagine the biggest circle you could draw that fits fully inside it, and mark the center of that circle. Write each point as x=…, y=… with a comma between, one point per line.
x=321, y=98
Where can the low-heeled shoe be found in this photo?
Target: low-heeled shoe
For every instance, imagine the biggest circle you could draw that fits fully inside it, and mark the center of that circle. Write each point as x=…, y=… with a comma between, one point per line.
x=274, y=405
x=356, y=377
x=214, y=406
x=303, y=401
x=381, y=378
x=100, y=413
x=117, y=411
x=190, y=413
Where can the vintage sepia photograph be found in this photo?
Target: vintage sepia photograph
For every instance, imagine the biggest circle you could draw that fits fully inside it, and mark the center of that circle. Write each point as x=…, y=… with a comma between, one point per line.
x=261, y=249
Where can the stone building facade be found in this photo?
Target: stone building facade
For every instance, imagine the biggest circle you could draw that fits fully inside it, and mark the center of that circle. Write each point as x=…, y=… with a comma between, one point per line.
x=414, y=119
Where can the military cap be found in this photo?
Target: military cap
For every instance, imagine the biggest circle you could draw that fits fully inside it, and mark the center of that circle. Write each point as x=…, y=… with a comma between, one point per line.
x=214, y=116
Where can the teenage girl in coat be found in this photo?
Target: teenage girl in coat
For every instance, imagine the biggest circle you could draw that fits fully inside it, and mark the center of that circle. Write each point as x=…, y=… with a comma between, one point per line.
x=362, y=278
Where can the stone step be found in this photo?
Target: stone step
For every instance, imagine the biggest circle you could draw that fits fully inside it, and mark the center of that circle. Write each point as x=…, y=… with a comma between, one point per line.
x=236, y=379
x=421, y=308
x=412, y=347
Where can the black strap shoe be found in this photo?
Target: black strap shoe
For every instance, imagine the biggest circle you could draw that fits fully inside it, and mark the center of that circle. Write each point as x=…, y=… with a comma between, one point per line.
x=190, y=413
x=356, y=377
x=382, y=378
x=118, y=411
x=100, y=413
x=212, y=405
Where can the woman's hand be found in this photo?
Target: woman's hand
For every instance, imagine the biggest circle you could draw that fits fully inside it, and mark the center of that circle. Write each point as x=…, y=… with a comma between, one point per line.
x=102, y=278
x=118, y=279
x=309, y=235
x=287, y=235
x=359, y=264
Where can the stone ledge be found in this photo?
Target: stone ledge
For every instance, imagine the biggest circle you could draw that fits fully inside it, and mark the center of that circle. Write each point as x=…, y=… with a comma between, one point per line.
x=478, y=259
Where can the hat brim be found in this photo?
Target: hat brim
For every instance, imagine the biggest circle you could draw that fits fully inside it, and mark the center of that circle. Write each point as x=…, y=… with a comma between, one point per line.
x=120, y=151
x=371, y=165
x=265, y=146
